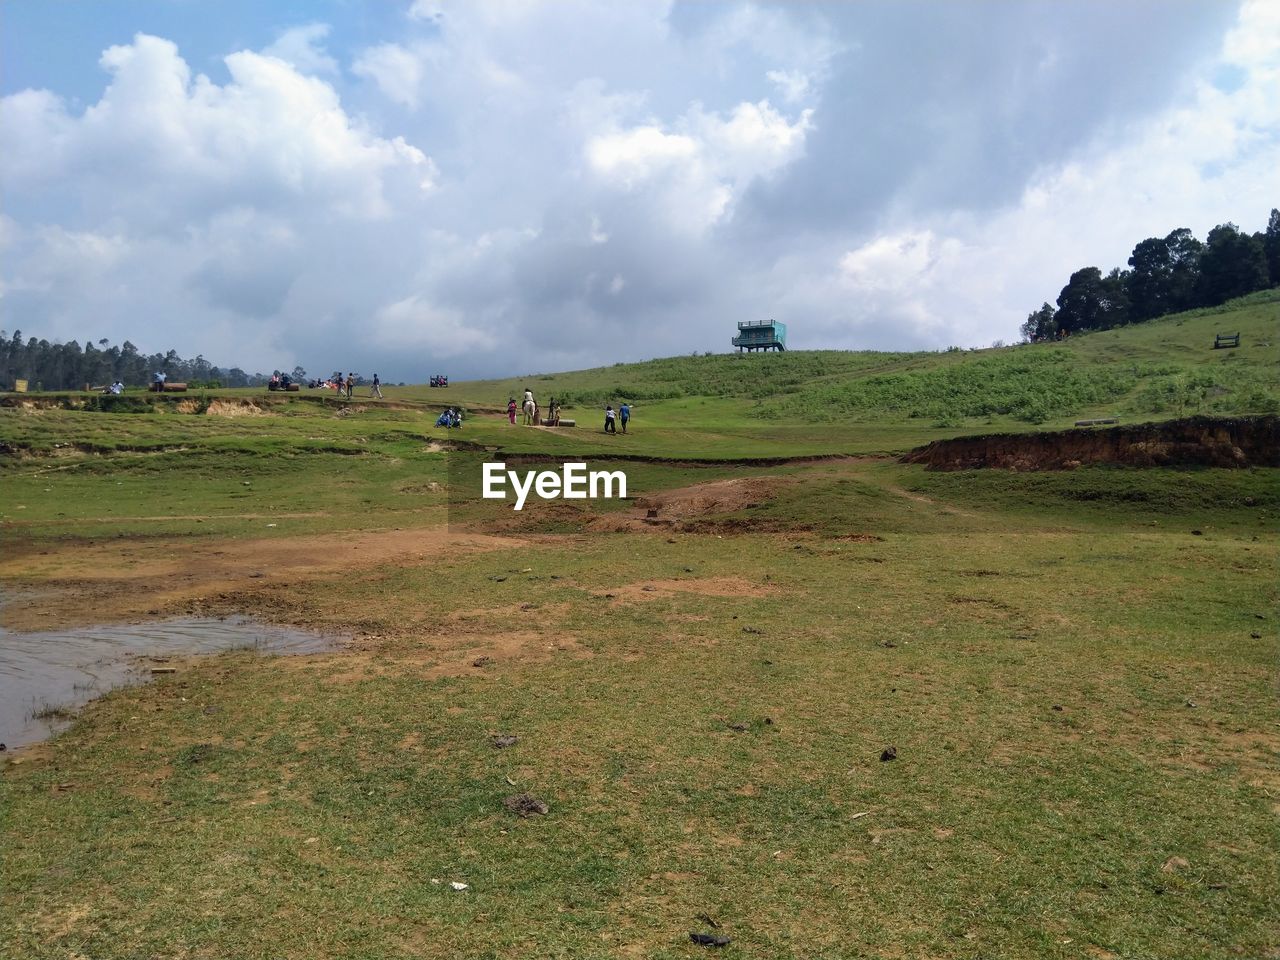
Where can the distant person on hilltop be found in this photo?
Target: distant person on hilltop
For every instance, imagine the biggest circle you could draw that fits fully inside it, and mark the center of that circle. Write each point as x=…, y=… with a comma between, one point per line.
x=376, y=390
x=624, y=414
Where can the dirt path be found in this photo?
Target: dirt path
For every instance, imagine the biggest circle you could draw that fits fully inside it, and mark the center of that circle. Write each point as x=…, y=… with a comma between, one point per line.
x=121, y=580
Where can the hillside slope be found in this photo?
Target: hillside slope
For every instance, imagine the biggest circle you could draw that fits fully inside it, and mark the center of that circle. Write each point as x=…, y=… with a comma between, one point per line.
x=1157, y=370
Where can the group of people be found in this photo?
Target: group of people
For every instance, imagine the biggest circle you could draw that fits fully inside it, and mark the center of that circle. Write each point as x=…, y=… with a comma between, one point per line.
x=346, y=386
x=612, y=418
x=451, y=419
x=532, y=416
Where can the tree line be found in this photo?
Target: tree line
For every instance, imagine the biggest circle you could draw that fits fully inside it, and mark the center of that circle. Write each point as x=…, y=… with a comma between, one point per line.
x=1165, y=275
x=69, y=366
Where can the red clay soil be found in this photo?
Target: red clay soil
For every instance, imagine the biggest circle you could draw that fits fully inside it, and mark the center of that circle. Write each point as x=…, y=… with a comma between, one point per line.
x=1197, y=441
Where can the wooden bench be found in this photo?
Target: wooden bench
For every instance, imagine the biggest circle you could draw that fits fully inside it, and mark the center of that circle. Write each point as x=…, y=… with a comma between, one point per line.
x=1226, y=340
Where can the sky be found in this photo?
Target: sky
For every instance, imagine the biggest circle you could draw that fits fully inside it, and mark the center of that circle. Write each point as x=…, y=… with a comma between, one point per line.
x=409, y=187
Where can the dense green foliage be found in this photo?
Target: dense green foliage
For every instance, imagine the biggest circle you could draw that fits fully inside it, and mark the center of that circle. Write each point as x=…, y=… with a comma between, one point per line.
x=68, y=366
x=1165, y=275
x=1026, y=386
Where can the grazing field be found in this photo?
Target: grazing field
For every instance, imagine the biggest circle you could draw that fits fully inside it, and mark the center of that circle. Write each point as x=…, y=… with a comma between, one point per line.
x=824, y=705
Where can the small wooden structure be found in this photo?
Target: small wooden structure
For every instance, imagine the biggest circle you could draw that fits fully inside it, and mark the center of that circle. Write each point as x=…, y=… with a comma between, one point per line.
x=168, y=387
x=756, y=335
x=1226, y=340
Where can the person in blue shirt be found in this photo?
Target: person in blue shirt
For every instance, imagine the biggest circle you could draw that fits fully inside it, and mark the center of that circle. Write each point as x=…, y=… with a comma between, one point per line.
x=624, y=415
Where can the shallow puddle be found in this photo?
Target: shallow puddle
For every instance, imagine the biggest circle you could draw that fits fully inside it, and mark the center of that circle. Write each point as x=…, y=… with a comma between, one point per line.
x=46, y=677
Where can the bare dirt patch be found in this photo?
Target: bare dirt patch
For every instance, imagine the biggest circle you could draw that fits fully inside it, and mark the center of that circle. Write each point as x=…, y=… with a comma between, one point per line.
x=236, y=408
x=678, y=507
x=126, y=580
x=459, y=646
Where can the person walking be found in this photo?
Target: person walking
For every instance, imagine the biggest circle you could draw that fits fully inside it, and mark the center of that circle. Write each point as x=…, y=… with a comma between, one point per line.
x=376, y=391
x=351, y=384
x=624, y=414
x=610, y=418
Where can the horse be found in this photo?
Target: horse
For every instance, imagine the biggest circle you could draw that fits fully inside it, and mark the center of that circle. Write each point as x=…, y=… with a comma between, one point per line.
x=530, y=413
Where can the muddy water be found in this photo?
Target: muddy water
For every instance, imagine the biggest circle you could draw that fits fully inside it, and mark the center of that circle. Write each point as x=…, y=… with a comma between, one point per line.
x=63, y=670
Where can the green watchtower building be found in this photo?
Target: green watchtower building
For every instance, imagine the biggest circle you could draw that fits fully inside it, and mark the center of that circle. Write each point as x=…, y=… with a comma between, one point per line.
x=761, y=335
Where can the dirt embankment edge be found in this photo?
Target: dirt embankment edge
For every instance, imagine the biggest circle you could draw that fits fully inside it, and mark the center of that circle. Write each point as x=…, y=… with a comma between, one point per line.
x=1192, y=442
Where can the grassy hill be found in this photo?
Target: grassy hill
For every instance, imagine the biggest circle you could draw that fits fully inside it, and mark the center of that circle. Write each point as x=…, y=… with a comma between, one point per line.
x=865, y=400
x=1165, y=366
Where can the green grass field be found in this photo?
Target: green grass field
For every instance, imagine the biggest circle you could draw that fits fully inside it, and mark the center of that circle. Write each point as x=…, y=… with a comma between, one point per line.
x=1077, y=671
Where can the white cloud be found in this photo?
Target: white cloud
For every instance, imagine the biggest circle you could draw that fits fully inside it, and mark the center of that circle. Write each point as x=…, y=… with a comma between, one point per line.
x=396, y=70
x=629, y=156
x=160, y=145
x=698, y=172
x=303, y=49
x=416, y=323
x=793, y=85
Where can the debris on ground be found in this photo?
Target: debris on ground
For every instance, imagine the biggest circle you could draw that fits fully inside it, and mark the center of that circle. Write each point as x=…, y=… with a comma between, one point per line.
x=482, y=661
x=752, y=630
x=888, y=753
x=740, y=727
x=458, y=886
x=526, y=805
x=501, y=740
x=1174, y=864
x=710, y=939
x=706, y=918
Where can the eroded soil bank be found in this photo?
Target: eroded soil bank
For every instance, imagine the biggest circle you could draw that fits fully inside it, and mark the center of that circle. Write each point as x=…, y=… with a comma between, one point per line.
x=1196, y=441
